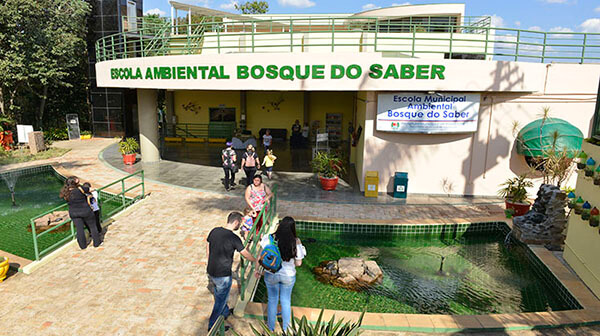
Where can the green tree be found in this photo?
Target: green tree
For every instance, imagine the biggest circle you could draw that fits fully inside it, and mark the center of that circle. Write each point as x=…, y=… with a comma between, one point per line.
x=41, y=43
x=253, y=7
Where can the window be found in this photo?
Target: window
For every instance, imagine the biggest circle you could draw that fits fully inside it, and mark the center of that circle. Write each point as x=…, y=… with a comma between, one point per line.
x=222, y=114
x=131, y=15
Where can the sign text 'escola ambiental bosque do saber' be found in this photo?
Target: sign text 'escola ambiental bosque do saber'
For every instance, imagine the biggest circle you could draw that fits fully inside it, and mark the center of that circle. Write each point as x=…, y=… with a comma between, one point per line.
x=285, y=72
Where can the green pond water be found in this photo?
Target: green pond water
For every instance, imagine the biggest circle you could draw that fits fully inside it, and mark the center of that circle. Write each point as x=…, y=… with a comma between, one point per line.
x=34, y=194
x=481, y=275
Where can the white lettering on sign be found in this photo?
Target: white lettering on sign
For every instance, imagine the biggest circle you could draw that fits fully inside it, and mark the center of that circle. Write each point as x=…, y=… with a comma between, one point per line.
x=415, y=112
x=400, y=188
x=371, y=187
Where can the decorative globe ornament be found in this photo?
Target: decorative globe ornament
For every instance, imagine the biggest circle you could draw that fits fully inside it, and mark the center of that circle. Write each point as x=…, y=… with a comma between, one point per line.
x=581, y=160
x=590, y=165
x=578, y=205
x=586, y=210
x=594, y=217
x=571, y=196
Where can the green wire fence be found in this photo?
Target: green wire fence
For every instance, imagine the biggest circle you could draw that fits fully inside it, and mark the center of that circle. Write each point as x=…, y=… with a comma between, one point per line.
x=110, y=202
x=462, y=39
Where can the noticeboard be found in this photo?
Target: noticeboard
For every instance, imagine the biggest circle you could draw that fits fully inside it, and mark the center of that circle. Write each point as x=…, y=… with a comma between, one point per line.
x=418, y=112
x=73, y=127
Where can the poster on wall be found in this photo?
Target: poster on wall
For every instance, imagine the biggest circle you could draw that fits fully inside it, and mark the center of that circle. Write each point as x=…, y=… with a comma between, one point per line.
x=429, y=113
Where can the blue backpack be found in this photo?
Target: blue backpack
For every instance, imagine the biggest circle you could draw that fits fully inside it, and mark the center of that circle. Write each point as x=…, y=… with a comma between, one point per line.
x=270, y=258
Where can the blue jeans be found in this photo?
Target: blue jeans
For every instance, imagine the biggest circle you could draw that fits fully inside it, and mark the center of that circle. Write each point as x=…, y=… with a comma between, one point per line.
x=279, y=288
x=222, y=285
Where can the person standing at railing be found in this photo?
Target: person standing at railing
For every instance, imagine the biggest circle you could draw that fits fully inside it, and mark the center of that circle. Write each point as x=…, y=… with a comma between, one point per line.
x=80, y=211
x=280, y=284
x=250, y=163
x=222, y=243
x=93, y=196
x=257, y=195
x=229, y=158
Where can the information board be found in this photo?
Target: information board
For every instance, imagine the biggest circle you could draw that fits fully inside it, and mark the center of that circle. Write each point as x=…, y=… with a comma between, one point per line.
x=73, y=126
x=418, y=112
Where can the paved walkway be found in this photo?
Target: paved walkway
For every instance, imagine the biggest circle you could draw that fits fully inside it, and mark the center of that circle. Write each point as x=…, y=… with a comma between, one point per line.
x=149, y=276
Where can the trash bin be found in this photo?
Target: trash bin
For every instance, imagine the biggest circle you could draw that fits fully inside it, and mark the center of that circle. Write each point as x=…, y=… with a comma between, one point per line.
x=400, y=184
x=371, y=184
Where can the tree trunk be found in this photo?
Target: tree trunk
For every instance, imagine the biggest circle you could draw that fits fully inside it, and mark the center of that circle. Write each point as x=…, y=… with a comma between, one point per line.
x=2, y=112
x=40, y=114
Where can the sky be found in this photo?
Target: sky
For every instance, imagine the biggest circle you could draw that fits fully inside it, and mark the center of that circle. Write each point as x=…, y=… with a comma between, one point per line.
x=544, y=15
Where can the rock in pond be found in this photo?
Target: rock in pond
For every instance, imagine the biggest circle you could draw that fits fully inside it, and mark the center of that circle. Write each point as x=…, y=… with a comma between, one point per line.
x=354, y=274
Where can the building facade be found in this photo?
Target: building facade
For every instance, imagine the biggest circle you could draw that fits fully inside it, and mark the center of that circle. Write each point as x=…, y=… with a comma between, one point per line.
x=421, y=89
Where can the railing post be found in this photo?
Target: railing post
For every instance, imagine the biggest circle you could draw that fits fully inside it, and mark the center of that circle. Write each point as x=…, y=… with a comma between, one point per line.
x=583, y=48
x=35, y=245
x=414, y=37
x=332, y=34
x=112, y=44
x=123, y=193
x=124, y=45
x=450, y=51
x=291, y=35
x=219, y=41
x=142, y=44
x=544, y=48
x=252, y=32
x=376, y=34
x=487, y=38
x=517, y=46
x=143, y=185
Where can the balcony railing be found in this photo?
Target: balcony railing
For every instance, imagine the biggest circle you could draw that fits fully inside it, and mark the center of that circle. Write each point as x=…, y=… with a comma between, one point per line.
x=476, y=40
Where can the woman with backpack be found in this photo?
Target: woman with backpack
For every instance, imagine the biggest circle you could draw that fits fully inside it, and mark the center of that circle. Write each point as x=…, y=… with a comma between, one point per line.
x=250, y=163
x=281, y=253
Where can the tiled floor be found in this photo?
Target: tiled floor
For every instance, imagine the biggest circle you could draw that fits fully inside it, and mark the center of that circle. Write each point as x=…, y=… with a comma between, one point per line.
x=149, y=277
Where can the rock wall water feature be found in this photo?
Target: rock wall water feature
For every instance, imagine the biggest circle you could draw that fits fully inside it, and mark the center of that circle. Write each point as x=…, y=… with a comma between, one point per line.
x=545, y=223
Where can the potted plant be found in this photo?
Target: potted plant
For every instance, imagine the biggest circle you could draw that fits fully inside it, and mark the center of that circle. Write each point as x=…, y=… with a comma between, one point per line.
x=85, y=135
x=590, y=164
x=514, y=193
x=582, y=157
x=586, y=210
x=328, y=167
x=128, y=147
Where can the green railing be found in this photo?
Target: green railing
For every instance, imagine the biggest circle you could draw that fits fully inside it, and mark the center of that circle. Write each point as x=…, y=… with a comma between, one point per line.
x=469, y=39
x=268, y=215
x=197, y=130
x=218, y=328
x=114, y=202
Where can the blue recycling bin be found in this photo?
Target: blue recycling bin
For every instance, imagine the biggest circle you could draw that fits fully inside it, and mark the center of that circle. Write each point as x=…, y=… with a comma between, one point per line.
x=400, y=184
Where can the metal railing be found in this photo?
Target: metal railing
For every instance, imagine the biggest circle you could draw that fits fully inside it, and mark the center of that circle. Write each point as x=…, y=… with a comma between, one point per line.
x=475, y=40
x=198, y=130
x=104, y=198
x=218, y=328
x=267, y=215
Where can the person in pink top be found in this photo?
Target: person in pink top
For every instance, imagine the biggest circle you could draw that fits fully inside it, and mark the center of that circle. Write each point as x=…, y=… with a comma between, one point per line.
x=257, y=195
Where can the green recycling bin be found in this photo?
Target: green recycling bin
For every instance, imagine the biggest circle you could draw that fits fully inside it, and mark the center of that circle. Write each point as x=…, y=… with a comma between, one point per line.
x=400, y=184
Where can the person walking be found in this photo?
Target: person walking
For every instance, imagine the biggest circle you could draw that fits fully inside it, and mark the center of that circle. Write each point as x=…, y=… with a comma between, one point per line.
x=267, y=140
x=250, y=163
x=229, y=158
x=80, y=211
x=257, y=195
x=222, y=243
x=280, y=284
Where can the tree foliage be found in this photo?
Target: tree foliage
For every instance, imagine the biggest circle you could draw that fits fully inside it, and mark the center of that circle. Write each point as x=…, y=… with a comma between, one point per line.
x=253, y=7
x=42, y=57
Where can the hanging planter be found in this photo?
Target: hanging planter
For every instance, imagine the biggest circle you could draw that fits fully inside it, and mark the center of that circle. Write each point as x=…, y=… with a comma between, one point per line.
x=572, y=199
x=578, y=205
x=594, y=217
x=581, y=160
x=586, y=209
x=590, y=164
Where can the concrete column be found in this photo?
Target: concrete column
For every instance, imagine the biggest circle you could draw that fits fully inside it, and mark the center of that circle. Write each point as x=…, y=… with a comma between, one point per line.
x=148, y=119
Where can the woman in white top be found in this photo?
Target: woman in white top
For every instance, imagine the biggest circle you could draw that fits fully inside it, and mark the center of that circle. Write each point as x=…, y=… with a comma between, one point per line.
x=280, y=284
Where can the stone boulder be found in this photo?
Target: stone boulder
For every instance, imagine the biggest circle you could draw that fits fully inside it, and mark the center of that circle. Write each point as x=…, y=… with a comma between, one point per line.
x=51, y=220
x=354, y=274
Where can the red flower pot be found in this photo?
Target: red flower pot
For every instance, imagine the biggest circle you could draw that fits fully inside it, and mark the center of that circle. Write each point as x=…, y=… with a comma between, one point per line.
x=519, y=208
x=6, y=139
x=328, y=183
x=129, y=159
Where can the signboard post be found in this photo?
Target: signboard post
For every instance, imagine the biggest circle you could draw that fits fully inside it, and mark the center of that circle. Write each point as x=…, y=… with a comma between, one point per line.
x=428, y=113
x=73, y=127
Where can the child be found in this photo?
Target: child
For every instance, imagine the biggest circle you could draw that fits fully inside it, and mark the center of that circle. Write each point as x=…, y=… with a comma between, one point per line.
x=268, y=162
x=94, y=205
x=247, y=221
x=267, y=139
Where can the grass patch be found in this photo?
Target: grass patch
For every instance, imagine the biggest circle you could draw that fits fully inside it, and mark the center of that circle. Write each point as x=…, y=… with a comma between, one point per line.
x=23, y=155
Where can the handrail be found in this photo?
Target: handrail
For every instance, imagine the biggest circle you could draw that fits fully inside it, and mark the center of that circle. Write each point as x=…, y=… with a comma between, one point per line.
x=125, y=202
x=267, y=214
x=218, y=328
x=414, y=39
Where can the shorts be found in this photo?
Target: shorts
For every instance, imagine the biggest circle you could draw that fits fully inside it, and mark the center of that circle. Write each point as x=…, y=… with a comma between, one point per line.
x=269, y=169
